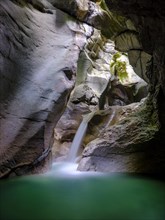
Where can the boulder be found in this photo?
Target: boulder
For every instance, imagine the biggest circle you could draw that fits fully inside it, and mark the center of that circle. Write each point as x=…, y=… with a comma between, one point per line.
x=125, y=142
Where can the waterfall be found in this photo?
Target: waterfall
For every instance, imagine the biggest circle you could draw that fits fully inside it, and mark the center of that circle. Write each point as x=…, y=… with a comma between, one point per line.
x=77, y=141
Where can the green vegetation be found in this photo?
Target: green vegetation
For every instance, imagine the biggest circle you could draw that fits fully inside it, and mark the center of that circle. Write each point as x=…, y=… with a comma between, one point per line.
x=119, y=67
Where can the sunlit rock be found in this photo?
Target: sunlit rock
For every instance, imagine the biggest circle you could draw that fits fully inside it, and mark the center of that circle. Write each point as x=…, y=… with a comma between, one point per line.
x=40, y=47
x=93, y=75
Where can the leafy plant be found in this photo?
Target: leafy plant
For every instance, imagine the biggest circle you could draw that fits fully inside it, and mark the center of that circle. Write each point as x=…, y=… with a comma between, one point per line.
x=119, y=67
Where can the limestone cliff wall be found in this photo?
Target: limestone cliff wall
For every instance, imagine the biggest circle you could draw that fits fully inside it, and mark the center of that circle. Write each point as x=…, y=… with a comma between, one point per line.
x=39, y=49
x=143, y=40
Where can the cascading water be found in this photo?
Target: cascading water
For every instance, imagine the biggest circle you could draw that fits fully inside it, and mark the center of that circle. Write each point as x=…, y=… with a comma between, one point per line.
x=77, y=141
x=69, y=166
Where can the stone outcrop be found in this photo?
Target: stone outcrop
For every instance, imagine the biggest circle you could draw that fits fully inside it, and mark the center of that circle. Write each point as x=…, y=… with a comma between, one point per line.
x=142, y=149
x=122, y=140
x=39, y=52
x=148, y=19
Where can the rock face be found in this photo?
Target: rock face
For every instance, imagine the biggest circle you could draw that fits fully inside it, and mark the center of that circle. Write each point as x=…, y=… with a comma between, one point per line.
x=39, y=53
x=136, y=146
x=93, y=75
x=148, y=19
x=96, y=88
x=124, y=141
x=40, y=46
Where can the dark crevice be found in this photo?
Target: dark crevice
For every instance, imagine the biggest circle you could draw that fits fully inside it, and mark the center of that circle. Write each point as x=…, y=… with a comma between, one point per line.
x=26, y=168
x=32, y=119
x=37, y=5
x=68, y=73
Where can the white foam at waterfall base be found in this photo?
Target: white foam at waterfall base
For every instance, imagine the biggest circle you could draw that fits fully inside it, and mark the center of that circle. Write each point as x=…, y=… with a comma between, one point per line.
x=68, y=169
x=64, y=168
x=70, y=166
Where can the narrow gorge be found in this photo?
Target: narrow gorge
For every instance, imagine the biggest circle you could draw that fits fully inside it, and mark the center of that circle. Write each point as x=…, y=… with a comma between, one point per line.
x=56, y=59
x=82, y=109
